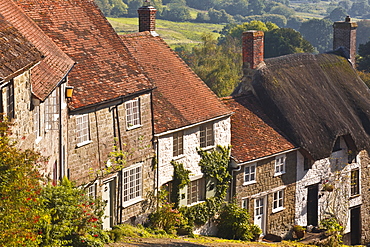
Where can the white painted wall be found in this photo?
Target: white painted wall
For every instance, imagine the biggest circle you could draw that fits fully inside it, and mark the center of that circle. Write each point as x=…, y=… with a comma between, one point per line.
x=190, y=158
x=335, y=169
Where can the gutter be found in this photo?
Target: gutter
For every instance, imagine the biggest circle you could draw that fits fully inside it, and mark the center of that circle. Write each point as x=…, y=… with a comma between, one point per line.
x=193, y=125
x=104, y=104
x=264, y=157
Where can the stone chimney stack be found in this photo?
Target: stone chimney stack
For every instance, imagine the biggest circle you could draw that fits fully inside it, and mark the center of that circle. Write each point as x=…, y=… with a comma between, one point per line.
x=252, y=48
x=147, y=17
x=345, y=36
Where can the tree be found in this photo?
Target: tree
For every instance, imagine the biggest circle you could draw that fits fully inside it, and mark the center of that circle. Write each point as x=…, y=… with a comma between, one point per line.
x=338, y=14
x=363, y=32
x=235, y=7
x=363, y=62
x=202, y=5
x=219, y=66
x=20, y=187
x=319, y=33
x=256, y=7
x=176, y=12
x=119, y=8
x=104, y=6
x=285, y=41
x=283, y=10
x=221, y=16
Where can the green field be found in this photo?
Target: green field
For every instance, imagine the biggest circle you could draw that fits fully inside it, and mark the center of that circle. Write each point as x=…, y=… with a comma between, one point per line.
x=174, y=33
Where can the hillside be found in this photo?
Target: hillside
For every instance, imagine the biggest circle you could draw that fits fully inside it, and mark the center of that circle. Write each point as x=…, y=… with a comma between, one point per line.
x=174, y=33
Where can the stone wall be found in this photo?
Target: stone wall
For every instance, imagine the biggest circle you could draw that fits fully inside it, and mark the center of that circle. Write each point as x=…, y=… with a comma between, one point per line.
x=23, y=128
x=190, y=158
x=365, y=189
x=266, y=185
x=108, y=129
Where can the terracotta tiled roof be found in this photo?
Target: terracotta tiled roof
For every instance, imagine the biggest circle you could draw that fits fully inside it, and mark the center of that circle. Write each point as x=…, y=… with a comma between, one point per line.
x=253, y=135
x=16, y=52
x=54, y=67
x=104, y=70
x=181, y=98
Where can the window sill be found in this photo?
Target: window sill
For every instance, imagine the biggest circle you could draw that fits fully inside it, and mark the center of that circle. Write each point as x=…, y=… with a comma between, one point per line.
x=178, y=157
x=83, y=143
x=134, y=127
x=194, y=203
x=249, y=183
x=132, y=202
x=276, y=210
x=279, y=174
x=354, y=196
x=208, y=148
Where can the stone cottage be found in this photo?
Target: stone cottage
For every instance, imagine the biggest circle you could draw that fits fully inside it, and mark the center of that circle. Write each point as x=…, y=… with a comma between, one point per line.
x=34, y=78
x=110, y=110
x=187, y=114
x=263, y=167
x=321, y=105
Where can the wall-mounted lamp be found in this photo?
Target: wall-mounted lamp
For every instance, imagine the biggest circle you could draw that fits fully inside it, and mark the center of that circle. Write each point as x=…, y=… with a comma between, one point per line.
x=69, y=92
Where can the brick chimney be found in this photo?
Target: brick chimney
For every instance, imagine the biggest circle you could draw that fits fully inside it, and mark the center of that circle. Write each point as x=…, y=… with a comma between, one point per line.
x=147, y=17
x=345, y=36
x=252, y=48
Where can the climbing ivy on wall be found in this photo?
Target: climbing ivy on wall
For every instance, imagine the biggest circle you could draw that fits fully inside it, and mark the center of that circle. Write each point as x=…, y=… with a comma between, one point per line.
x=180, y=180
x=214, y=165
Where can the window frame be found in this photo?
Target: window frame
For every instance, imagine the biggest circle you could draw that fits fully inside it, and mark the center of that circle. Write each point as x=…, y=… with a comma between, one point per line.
x=355, y=182
x=91, y=191
x=133, y=114
x=278, y=201
x=178, y=144
x=196, y=191
x=250, y=174
x=132, y=184
x=51, y=111
x=37, y=121
x=10, y=104
x=206, y=135
x=279, y=167
x=83, y=132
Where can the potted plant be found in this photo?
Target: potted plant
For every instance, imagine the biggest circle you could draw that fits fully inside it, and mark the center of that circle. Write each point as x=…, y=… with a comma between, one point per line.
x=299, y=231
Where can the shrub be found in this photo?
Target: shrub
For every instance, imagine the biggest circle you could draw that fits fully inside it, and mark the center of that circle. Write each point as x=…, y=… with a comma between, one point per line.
x=166, y=218
x=20, y=187
x=333, y=232
x=75, y=218
x=233, y=223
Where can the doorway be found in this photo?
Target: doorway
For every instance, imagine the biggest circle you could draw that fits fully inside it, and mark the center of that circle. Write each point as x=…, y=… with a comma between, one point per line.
x=108, y=192
x=355, y=225
x=313, y=204
x=260, y=213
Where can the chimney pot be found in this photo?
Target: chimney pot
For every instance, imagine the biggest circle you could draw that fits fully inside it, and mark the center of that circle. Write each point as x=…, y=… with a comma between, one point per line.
x=147, y=17
x=253, y=48
x=345, y=36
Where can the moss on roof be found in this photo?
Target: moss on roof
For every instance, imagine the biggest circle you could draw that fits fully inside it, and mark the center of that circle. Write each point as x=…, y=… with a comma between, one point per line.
x=314, y=99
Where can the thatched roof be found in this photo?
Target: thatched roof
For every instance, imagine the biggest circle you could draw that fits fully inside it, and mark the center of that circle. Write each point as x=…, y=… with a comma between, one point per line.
x=314, y=99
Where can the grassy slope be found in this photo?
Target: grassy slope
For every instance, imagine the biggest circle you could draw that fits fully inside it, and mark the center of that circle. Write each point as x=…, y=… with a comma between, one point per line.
x=174, y=33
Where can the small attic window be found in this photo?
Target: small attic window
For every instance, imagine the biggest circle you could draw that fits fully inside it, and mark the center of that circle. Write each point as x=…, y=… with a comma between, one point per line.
x=337, y=145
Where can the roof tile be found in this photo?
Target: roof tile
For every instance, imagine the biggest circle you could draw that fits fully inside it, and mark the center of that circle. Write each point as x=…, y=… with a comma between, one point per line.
x=181, y=98
x=54, y=67
x=253, y=135
x=104, y=69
